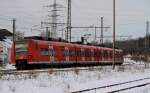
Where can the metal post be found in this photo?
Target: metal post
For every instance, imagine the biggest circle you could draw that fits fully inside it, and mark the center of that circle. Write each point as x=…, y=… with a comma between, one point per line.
x=47, y=33
x=54, y=20
x=114, y=28
x=101, y=39
x=14, y=38
x=70, y=21
x=147, y=36
x=147, y=41
x=68, y=32
x=95, y=34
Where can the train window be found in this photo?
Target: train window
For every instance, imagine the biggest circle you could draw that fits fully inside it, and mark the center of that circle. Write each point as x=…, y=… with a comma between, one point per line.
x=71, y=53
x=44, y=52
x=78, y=53
x=92, y=54
x=63, y=53
x=110, y=55
x=87, y=53
x=82, y=53
x=105, y=54
x=96, y=54
x=55, y=53
x=99, y=54
x=102, y=54
x=67, y=52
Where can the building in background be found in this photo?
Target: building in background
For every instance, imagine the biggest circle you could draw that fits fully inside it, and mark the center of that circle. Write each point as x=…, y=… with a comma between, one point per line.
x=5, y=45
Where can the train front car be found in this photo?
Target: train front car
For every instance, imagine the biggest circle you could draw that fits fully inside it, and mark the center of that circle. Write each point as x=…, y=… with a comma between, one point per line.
x=21, y=54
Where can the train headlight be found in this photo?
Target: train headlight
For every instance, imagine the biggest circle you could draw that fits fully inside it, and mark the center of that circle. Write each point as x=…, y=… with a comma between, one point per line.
x=29, y=56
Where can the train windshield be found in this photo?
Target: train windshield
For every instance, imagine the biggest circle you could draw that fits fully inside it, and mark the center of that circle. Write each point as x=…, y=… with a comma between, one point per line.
x=21, y=47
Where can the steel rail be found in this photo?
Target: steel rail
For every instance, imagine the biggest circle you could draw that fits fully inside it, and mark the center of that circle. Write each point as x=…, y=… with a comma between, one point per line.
x=56, y=70
x=123, y=89
x=112, y=85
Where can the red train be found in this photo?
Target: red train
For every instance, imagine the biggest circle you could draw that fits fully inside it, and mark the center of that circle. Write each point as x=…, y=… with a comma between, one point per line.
x=39, y=52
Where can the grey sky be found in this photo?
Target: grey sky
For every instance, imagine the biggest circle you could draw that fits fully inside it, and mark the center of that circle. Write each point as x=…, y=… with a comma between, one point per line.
x=131, y=15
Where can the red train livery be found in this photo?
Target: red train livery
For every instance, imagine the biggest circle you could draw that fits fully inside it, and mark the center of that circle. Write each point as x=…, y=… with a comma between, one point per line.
x=39, y=52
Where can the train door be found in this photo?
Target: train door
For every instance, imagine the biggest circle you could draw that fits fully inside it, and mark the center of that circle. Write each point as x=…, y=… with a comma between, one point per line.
x=82, y=54
x=67, y=54
x=51, y=53
x=92, y=55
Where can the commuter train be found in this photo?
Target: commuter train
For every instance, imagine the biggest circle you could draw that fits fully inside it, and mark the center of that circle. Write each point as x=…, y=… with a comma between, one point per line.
x=31, y=52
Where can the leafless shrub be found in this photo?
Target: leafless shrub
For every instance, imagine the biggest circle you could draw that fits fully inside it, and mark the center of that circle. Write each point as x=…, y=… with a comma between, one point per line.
x=50, y=71
x=121, y=68
x=100, y=68
x=76, y=71
x=91, y=68
x=1, y=75
x=33, y=75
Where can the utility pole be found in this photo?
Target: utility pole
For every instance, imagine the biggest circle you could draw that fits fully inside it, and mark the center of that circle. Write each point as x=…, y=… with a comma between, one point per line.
x=14, y=38
x=101, y=39
x=54, y=20
x=47, y=33
x=68, y=32
x=114, y=32
x=95, y=34
x=147, y=42
x=147, y=36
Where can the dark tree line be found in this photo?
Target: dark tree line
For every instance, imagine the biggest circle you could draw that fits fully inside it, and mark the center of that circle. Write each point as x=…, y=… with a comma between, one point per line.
x=139, y=46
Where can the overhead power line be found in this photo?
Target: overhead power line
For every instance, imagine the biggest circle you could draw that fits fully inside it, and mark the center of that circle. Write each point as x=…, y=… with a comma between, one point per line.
x=52, y=24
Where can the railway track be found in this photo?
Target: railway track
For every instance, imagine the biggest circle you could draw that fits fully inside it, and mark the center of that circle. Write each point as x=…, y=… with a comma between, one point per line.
x=118, y=87
x=47, y=70
x=10, y=72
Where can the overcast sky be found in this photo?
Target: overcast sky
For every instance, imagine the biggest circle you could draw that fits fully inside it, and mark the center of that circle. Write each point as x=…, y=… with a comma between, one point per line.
x=131, y=15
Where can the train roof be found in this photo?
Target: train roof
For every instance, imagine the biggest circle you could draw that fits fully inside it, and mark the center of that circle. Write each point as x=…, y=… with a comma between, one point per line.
x=73, y=44
x=65, y=43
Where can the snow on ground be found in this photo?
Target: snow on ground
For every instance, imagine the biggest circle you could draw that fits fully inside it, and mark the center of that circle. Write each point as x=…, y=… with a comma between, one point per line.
x=64, y=82
x=7, y=67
